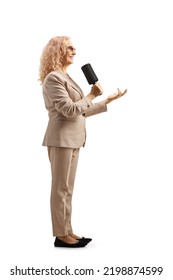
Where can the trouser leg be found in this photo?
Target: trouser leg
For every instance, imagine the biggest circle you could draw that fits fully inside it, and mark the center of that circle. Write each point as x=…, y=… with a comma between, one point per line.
x=63, y=167
x=71, y=181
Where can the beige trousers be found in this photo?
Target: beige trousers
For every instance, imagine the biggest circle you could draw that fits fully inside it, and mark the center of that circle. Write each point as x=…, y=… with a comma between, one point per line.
x=63, y=168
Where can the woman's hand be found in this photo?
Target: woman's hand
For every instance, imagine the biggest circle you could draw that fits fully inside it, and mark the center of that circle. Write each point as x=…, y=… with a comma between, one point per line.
x=116, y=95
x=96, y=90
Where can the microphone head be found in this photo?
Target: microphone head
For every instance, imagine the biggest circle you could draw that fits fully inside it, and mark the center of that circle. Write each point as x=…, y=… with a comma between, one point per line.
x=89, y=74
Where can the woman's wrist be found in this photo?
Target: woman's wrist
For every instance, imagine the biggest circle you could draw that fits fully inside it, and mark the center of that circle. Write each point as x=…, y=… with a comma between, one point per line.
x=107, y=101
x=91, y=96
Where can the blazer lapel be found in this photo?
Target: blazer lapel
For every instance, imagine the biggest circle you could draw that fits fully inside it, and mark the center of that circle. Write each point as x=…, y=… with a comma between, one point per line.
x=75, y=86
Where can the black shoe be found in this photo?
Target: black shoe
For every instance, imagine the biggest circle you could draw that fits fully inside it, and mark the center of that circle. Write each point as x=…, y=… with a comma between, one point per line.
x=85, y=240
x=60, y=243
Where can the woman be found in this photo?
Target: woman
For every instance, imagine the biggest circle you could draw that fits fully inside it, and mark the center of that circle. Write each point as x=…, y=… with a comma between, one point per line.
x=65, y=134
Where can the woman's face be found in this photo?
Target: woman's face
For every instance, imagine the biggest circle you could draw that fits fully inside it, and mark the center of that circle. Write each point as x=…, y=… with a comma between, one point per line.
x=70, y=53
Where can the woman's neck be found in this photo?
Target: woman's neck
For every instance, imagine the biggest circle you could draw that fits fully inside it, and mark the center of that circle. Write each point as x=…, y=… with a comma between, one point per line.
x=64, y=69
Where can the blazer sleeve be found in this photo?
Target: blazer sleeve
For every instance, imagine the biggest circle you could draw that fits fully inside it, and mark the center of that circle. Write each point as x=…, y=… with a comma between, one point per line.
x=57, y=94
x=97, y=108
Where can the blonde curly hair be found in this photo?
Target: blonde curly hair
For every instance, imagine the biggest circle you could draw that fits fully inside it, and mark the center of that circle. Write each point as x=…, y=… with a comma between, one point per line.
x=52, y=55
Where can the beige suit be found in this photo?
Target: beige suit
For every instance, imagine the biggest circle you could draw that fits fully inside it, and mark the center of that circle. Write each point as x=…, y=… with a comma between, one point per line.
x=64, y=136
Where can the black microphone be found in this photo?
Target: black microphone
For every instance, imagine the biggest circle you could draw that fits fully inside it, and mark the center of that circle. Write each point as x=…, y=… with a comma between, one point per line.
x=89, y=74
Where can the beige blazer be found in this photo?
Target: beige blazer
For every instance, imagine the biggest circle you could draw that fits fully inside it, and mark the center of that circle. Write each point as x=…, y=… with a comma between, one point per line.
x=67, y=109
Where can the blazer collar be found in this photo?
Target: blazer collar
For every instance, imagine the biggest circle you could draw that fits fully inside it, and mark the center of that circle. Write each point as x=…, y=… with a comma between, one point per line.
x=72, y=82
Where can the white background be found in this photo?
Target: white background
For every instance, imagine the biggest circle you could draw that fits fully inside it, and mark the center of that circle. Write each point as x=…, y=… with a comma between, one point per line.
x=123, y=191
